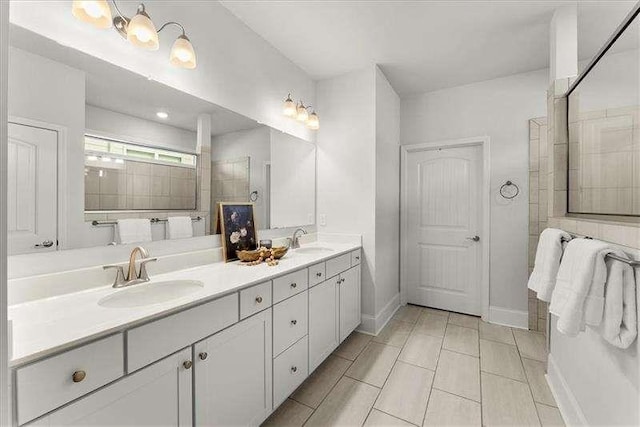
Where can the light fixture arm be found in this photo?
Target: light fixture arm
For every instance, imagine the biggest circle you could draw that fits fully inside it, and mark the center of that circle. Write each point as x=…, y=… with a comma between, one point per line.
x=115, y=6
x=177, y=24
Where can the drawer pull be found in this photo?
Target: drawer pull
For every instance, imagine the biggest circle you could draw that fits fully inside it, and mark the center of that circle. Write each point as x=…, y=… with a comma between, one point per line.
x=78, y=376
x=294, y=285
x=294, y=369
x=318, y=274
x=259, y=300
x=187, y=364
x=357, y=258
x=294, y=322
x=203, y=355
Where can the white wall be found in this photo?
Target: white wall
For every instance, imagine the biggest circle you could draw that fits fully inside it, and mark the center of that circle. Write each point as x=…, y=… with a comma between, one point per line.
x=346, y=166
x=133, y=129
x=5, y=392
x=500, y=109
x=387, y=194
x=237, y=69
x=51, y=92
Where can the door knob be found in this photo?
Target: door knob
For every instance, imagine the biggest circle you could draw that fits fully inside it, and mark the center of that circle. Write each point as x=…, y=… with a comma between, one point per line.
x=474, y=238
x=45, y=244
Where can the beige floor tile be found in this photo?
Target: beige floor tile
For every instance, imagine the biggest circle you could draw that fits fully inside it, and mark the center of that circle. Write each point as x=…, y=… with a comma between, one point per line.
x=507, y=402
x=421, y=350
x=408, y=313
x=435, y=311
x=491, y=332
x=535, y=371
x=353, y=345
x=374, y=364
x=462, y=340
x=395, y=333
x=348, y=404
x=549, y=416
x=501, y=359
x=289, y=414
x=446, y=409
x=321, y=381
x=431, y=324
x=406, y=392
x=464, y=320
x=380, y=419
x=458, y=374
x=532, y=345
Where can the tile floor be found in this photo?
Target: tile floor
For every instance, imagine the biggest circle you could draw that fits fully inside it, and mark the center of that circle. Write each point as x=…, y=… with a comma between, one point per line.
x=428, y=368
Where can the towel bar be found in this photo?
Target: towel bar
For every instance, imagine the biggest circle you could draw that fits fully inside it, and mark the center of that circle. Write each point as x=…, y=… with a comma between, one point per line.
x=631, y=262
x=152, y=220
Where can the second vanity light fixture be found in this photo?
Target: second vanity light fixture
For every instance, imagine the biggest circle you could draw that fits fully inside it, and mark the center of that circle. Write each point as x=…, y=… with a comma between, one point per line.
x=140, y=30
x=301, y=113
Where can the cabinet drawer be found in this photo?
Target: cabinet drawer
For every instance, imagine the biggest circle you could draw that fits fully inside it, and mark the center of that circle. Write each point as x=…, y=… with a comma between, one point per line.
x=289, y=285
x=289, y=371
x=338, y=264
x=317, y=273
x=255, y=299
x=289, y=322
x=153, y=341
x=356, y=256
x=51, y=383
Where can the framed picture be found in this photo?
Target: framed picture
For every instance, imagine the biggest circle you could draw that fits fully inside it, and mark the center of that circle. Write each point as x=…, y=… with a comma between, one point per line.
x=238, y=229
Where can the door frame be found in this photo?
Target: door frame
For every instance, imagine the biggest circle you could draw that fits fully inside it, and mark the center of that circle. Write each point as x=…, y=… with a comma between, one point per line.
x=61, y=166
x=485, y=144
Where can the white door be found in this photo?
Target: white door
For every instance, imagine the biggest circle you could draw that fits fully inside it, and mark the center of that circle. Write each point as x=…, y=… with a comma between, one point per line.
x=324, y=335
x=349, y=286
x=233, y=374
x=158, y=395
x=32, y=189
x=443, y=220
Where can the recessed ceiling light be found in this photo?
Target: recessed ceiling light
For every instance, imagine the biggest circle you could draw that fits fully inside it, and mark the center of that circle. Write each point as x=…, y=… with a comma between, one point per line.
x=162, y=114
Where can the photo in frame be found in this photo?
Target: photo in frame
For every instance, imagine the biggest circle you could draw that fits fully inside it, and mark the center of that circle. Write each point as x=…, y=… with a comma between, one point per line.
x=238, y=229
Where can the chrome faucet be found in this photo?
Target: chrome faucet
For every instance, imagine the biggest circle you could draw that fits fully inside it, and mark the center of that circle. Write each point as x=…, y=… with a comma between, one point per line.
x=295, y=240
x=132, y=277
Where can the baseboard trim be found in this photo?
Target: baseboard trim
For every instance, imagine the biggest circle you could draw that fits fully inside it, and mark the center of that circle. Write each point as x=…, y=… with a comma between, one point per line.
x=507, y=317
x=371, y=325
x=567, y=404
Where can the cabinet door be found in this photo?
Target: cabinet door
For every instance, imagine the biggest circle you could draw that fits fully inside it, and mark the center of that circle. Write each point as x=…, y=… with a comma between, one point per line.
x=323, y=321
x=349, y=301
x=158, y=395
x=233, y=374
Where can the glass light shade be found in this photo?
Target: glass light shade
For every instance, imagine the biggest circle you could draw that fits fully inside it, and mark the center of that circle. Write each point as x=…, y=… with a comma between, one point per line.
x=142, y=33
x=303, y=114
x=182, y=53
x=94, y=12
x=313, y=122
x=289, y=109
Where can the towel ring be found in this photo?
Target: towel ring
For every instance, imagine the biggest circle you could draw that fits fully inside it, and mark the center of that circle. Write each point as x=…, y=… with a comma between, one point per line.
x=508, y=194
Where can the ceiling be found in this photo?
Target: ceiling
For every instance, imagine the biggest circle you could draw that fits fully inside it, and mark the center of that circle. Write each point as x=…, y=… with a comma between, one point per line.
x=423, y=46
x=113, y=88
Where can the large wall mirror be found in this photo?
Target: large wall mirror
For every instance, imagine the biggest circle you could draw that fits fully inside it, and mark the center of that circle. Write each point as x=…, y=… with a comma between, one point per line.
x=604, y=130
x=91, y=143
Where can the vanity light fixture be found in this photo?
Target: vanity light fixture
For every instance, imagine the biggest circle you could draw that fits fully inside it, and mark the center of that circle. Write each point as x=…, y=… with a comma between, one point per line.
x=302, y=113
x=313, y=122
x=162, y=115
x=289, y=108
x=140, y=30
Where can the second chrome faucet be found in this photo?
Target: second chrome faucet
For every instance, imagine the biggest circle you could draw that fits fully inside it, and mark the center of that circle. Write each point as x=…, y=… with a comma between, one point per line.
x=133, y=277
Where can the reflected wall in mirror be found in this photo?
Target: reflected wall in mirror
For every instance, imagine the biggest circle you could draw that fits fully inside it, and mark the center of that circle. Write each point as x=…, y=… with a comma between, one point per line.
x=604, y=132
x=111, y=145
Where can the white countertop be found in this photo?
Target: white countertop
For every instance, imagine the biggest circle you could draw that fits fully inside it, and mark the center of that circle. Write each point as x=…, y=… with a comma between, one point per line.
x=47, y=326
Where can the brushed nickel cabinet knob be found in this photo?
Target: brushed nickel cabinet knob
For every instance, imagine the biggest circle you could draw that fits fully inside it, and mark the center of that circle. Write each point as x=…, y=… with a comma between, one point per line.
x=294, y=285
x=294, y=369
x=294, y=322
x=259, y=300
x=318, y=274
x=187, y=364
x=78, y=376
x=203, y=355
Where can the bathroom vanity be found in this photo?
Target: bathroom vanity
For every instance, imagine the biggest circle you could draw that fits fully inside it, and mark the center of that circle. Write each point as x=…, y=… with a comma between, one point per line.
x=228, y=354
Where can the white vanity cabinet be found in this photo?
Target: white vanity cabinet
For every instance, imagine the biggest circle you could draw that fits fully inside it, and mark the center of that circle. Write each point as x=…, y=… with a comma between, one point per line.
x=159, y=394
x=349, y=290
x=324, y=334
x=233, y=374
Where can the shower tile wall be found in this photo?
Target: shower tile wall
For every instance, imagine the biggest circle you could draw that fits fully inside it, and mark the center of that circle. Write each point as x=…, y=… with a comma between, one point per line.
x=229, y=181
x=538, y=210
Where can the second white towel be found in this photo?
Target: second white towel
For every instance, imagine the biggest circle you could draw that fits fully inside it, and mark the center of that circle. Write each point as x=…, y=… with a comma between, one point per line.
x=548, y=255
x=179, y=227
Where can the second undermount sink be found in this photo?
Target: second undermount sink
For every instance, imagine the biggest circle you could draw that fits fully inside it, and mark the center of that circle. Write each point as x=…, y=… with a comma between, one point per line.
x=150, y=293
x=313, y=250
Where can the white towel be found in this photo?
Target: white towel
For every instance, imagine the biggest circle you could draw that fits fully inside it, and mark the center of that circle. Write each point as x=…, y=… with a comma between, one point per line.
x=578, y=297
x=179, y=227
x=134, y=230
x=548, y=255
x=619, y=324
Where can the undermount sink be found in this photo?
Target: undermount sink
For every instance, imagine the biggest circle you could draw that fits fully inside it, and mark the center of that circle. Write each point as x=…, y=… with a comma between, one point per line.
x=150, y=293
x=313, y=250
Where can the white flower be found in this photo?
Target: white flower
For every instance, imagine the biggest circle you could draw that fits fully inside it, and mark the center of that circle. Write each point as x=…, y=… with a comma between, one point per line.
x=235, y=237
x=243, y=232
